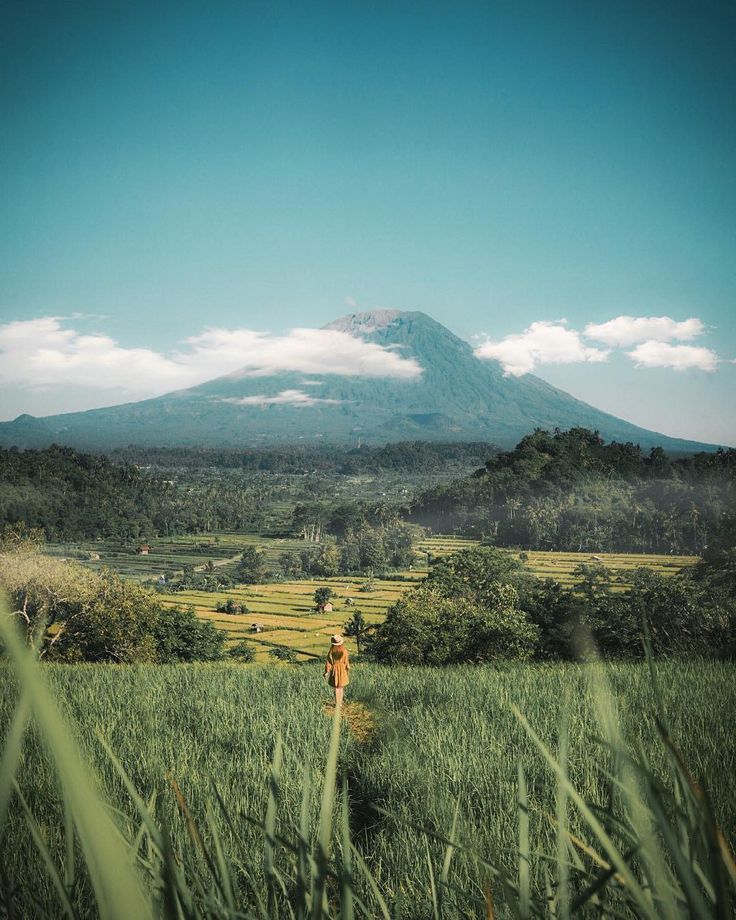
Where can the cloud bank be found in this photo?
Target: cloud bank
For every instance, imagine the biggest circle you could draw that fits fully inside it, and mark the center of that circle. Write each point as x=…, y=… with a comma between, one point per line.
x=541, y=343
x=554, y=343
x=629, y=330
x=284, y=398
x=677, y=357
x=48, y=353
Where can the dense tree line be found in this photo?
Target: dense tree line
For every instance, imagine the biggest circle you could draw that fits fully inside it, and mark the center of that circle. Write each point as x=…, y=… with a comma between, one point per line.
x=480, y=605
x=572, y=491
x=139, y=493
x=404, y=456
x=73, y=496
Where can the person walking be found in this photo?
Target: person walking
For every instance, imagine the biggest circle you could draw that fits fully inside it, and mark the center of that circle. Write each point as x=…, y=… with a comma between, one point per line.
x=337, y=667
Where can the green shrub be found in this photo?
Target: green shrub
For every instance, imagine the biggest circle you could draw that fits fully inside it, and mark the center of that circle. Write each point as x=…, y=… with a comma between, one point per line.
x=283, y=654
x=425, y=627
x=242, y=651
x=181, y=636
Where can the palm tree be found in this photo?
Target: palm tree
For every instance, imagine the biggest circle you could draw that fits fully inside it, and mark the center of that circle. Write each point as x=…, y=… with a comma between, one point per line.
x=357, y=628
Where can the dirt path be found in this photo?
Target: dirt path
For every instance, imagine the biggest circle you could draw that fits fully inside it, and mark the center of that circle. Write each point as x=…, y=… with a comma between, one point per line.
x=360, y=720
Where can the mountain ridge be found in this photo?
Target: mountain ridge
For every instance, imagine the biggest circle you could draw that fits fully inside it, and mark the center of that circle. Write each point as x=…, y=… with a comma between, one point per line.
x=456, y=397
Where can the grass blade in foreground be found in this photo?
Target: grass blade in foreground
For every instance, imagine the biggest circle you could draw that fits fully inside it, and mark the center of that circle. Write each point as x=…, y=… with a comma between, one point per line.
x=116, y=885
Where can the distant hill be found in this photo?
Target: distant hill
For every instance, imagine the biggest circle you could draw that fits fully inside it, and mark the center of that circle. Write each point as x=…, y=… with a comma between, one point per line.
x=572, y=491
x=457, y=398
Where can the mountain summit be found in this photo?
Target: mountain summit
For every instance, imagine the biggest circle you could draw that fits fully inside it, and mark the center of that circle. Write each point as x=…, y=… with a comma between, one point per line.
x=450, y=396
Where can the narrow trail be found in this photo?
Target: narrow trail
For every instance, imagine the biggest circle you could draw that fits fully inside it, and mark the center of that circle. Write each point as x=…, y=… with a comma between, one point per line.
x=360, y=720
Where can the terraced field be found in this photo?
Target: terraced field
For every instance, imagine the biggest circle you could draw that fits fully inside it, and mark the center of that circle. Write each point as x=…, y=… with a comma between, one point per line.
x=561, y=566
x=286, y=611
x=171, y=555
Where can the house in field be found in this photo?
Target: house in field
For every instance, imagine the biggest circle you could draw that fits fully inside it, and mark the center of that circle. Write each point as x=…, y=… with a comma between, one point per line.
x=143, y=550
x=327, y=608
x=256, y=627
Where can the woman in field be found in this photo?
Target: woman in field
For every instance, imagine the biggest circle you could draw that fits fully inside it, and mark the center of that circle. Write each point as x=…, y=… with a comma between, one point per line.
x=337, y=667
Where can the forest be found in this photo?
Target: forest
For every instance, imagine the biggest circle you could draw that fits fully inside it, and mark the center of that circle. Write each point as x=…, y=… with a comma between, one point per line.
x=571, y=491
x=142, y=493
x=565, y=491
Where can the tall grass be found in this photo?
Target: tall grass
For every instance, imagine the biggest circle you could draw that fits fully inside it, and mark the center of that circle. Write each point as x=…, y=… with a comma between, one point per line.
x=223, y=792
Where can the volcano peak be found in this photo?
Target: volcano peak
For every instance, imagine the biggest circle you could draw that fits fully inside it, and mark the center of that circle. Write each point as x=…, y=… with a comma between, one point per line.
x=365, y=322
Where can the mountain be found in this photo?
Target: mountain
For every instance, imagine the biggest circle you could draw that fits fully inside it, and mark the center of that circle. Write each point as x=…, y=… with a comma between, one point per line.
x=457, y=397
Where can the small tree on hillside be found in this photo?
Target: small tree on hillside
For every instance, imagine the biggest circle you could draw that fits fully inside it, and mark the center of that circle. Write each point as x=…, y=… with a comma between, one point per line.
x=290, y=564
x=322, y=597
x=242, y=651
x=357, y=628
x=252, y=566
x=281, y=653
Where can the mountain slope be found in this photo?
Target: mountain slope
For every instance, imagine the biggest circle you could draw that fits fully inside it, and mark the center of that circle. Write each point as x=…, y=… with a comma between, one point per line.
x=457, y=397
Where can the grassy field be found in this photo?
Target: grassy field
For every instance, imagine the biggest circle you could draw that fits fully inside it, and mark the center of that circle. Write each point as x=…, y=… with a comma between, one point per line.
x=437, y=740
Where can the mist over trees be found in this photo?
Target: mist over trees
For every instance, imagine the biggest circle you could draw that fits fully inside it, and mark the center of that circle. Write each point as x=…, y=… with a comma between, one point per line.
x=567, y=491
x=571, y=491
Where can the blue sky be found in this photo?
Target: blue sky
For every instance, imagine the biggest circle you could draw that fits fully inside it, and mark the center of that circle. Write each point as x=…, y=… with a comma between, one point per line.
x=171, y=168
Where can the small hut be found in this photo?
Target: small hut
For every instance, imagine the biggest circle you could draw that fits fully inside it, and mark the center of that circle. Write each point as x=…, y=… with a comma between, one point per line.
x=256, y=627
x=143, y=550
x=327, y=608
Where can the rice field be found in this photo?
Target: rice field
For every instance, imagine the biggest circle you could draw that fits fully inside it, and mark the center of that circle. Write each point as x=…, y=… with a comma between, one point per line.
x=168, y=556
x=286, y=611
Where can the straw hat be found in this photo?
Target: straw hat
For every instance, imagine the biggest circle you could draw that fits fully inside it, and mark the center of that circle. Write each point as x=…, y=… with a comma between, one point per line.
x=337, y=640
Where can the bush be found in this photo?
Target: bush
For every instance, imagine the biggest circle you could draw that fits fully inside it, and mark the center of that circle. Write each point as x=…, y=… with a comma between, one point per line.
x=242, y=651
x=231, y=607
x=426, y=627
x=181, y=636
x=283, y=654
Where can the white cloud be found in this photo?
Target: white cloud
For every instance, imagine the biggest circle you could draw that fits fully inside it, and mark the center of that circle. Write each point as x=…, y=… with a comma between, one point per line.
x=629, y=330
x=284, y=398
x=541, y=343
x=46, y=353
x=309, y=351
x=677, y=357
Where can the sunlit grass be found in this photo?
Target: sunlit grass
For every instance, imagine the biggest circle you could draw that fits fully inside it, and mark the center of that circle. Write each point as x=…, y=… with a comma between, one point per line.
x=216, y=816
